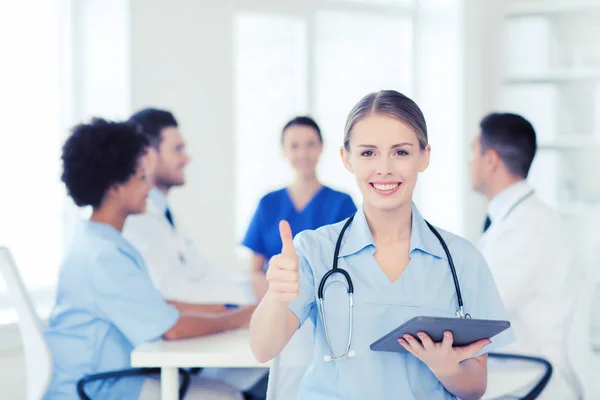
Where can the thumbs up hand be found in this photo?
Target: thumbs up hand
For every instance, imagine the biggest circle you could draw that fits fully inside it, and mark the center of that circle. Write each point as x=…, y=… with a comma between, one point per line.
x=282, y=275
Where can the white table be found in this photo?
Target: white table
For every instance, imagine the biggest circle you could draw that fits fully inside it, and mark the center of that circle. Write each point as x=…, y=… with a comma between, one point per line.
x=229, y=349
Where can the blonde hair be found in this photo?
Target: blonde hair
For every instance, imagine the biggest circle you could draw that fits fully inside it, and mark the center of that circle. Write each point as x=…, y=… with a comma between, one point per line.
x=393, y=104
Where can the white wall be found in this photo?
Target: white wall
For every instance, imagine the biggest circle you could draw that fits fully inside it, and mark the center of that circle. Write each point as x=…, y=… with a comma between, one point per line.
x=182, y=59
x=438, y=93
x=12, y=375
x=480, y=32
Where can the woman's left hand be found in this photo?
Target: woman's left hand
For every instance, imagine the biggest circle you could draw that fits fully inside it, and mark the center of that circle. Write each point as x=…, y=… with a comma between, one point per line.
x=441, y=358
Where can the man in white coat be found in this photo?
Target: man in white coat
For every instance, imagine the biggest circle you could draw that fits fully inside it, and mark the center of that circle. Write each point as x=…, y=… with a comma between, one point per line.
x=175, y=267
x=526, y=247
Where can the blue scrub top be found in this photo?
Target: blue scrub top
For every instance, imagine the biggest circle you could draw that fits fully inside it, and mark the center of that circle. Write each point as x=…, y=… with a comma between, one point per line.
x=327, y=206
x=105, y=306
x=425, y=288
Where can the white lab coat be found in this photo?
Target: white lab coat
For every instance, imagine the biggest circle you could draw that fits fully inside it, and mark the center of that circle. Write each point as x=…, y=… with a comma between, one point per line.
x=174, y=265
x=179, y=273
x=528, y=252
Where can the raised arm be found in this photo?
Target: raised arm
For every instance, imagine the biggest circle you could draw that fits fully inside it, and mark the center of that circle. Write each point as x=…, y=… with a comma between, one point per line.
x=273, y=324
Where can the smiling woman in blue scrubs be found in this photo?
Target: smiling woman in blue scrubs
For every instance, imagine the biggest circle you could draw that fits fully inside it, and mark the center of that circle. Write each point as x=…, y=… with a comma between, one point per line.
x=306, y=203
x=399, y=270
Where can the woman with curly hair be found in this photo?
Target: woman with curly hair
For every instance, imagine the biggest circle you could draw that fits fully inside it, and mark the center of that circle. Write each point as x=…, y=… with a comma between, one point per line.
x=106, y=304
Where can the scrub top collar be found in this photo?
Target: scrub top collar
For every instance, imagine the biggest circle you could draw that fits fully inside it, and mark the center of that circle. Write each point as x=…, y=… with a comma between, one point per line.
x=358, y=236
x=108, y=232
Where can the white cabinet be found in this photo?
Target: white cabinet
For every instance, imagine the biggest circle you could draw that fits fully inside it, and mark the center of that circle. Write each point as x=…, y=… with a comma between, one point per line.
x=550, y=63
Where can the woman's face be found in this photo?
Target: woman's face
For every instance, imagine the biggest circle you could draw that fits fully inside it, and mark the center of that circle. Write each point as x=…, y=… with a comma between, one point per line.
x=386, y=159
x=133, y=193
x=302, y=147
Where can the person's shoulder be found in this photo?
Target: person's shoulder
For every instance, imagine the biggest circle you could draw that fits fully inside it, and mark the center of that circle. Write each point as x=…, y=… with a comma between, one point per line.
x=323, y=238
x=458, y=244
x=538, y=209
x=465, y=255
x=87, y=252
x=339, y=195
x=109, y=253
x=272, y=197
x=535, y=217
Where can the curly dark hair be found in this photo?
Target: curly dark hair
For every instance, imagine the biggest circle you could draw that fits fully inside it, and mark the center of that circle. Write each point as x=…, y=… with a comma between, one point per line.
x=98, y=155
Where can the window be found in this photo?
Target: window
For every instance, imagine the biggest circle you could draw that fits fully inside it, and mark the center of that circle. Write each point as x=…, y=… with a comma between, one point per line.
x=382, y=2
x=270, y=82
x=318, y=62
x=439, y=86
x=54, y=82
x=33, y=196
x=355, y=54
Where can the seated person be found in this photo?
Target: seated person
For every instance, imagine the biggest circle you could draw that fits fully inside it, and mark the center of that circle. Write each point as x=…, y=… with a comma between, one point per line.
x=305, y=203
x=526, y=245
x=174, y=264
x=106, y=304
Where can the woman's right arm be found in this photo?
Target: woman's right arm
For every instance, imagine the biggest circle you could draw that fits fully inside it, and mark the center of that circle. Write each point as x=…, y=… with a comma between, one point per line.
x=273, y=324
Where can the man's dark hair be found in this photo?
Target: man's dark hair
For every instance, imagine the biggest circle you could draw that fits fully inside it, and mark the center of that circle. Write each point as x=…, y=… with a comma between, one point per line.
x=99, y=155
x=152, y=121
x=302, y=120
x=513, y=138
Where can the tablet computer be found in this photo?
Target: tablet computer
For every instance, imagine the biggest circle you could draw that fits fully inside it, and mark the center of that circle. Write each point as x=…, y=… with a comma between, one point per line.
x=464, y=331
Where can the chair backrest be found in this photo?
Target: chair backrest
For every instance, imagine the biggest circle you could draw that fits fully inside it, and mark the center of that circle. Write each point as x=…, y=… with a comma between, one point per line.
x=289, y=367
x=38, y=359
x=584, y=363
x=273, y=379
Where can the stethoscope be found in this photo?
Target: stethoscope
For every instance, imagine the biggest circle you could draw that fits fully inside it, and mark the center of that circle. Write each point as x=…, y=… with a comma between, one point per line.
x=460, y=313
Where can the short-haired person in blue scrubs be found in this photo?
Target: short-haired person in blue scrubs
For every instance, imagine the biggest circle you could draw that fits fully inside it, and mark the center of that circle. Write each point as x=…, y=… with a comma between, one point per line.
x=306, y=203
x=398, y=268
x=106, y=303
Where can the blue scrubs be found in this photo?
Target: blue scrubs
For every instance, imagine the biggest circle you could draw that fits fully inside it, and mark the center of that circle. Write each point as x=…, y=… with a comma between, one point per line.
x=105, y=306
x=424, y=289
x=328, y=206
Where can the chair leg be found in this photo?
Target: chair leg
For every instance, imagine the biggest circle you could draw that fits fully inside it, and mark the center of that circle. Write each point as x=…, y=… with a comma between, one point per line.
x=258, y=391
x=184, y=384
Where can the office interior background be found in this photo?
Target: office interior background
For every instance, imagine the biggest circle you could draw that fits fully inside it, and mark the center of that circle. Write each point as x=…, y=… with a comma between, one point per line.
x=234, y=71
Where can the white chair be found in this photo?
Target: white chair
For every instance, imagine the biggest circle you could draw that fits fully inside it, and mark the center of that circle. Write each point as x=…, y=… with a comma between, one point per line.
x=584, y=362
x=287, y=369
x=38, y=359
x=516, y=377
